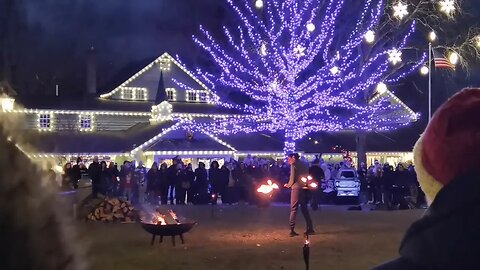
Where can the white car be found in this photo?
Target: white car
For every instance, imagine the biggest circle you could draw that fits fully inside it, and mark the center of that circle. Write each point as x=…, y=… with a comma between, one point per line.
x=347, y=183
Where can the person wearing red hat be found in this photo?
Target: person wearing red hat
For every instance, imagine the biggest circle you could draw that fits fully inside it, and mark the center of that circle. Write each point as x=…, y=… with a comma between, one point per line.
x=447, y=162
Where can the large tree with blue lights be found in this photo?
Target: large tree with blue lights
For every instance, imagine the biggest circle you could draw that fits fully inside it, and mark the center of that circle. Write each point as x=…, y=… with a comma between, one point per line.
x=315, y=65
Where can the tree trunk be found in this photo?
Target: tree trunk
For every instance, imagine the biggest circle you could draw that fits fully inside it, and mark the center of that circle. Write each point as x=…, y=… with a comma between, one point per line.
x=361, y=140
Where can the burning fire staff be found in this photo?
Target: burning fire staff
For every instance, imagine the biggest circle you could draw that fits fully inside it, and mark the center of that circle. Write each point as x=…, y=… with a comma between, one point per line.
x=299, y=195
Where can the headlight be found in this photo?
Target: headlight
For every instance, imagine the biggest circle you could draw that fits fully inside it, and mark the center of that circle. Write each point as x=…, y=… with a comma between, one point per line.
x=337, y=184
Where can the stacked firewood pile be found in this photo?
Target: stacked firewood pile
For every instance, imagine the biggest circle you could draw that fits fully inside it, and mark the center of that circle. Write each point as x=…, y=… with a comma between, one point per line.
x=114, y=210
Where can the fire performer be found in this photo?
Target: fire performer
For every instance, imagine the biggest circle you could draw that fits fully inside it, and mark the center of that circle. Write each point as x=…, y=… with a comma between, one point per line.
x=299, y=195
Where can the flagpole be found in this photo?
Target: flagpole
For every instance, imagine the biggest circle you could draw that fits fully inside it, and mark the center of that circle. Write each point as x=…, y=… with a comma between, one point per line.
x=429, y=81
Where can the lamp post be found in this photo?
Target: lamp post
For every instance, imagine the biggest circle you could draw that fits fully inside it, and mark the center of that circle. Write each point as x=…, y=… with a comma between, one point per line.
x=432, y=37
x=429, y=81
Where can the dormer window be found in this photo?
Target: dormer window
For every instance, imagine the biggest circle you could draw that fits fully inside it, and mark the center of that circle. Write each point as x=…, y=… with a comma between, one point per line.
x=140, y=94
x=171, y=94
x=202, y=97
x=134, y=93
x=127, y=93
x=191, y=96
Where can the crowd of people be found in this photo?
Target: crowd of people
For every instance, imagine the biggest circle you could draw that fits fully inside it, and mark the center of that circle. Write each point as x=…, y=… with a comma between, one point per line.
x=235, y=181
x=392, y=187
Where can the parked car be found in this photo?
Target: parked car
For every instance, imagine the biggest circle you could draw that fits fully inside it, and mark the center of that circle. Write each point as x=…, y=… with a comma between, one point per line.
x=347, y=184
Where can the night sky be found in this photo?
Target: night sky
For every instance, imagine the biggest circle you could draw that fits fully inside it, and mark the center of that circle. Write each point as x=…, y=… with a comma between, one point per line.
x=50, y=39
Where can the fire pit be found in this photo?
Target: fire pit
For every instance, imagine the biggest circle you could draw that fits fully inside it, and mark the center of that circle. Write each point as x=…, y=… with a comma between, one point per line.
x=161, y=227
x=265, y=193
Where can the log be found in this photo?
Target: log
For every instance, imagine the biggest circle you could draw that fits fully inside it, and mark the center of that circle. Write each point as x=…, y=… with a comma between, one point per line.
x=97, y=213
x=115, y=202
x=119, y=215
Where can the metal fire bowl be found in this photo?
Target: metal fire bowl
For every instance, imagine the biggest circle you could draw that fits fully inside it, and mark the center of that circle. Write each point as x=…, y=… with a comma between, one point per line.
x=169, y=229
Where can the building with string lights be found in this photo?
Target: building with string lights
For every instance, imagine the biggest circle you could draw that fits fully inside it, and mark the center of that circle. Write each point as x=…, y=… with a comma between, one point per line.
x=152, y=116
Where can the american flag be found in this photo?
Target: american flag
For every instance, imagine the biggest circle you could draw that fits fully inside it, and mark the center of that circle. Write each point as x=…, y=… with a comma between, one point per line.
x=441, y=61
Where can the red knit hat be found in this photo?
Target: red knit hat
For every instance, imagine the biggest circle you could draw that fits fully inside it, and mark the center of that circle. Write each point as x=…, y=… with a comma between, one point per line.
x=450, y=144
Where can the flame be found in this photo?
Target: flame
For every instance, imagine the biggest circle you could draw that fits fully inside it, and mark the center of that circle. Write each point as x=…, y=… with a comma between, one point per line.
x=309, y=178
x=304, y=179
x=268, y=188
x=307, y=242
x=174, y=216
x=314, y=185
x=160, y=220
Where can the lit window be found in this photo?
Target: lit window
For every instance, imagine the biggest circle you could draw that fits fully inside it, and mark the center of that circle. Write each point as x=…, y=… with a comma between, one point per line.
x=85, y=121
x=44, y=121
x=140, y=94
x=191, y=96
x=202, y=96
x=171, y=95
x=127, y=93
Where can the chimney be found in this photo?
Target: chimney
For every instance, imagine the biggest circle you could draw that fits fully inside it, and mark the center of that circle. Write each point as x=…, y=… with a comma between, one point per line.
x=91, y=72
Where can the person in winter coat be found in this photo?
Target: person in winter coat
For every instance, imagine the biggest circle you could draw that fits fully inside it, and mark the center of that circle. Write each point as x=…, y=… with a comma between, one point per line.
x=215, y=178
x=317, y=174
x=448, y=169
x=124, y=169
x=240, y=174
x=173, y=172
x=299, y=196
x=387, y=181
x=224, y=177
x=113, y=183
x=76, y=173
x=200, y=185
x=162, y=183
x=181, y=184
x=128, y=185
x=377, y=184
x=400, y=183
x=188, y=183
x=231, y=190
x=95, y=173
x=362, y=176
x=105, y=178
x=152, y=178
x=67, y=175
x=141, y=182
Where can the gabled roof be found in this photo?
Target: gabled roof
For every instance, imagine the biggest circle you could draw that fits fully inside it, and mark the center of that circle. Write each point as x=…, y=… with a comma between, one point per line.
x=179, y=73
x=93, y=142
x=388, y=95
x=175, y=138
x=84, y=103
